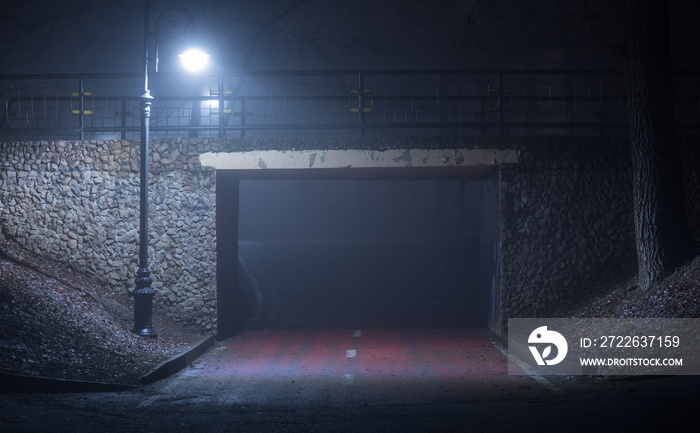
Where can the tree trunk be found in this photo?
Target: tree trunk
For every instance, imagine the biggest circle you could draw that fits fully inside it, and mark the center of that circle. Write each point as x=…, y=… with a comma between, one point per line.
x=662, y=236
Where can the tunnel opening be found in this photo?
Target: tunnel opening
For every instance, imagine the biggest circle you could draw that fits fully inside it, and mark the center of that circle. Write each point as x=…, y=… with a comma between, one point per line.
x=376, y=250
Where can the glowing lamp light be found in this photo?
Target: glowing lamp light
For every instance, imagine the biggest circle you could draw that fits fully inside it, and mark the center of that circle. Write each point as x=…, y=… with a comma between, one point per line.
x=194, y=60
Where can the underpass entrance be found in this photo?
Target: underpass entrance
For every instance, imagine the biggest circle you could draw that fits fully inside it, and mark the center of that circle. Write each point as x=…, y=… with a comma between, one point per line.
x=391, y=247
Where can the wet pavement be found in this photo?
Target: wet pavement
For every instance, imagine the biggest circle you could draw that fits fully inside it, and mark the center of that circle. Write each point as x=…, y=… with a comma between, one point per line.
x=319, y=367
x=378, y=381
x=380, y=354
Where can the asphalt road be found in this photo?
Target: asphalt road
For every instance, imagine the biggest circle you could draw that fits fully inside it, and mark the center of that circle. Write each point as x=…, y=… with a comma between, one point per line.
x=401, y=367
x=270, y=387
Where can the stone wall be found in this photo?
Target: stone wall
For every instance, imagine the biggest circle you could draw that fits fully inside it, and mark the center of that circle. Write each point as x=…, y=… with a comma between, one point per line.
x=78, y=202
x=566, y=213
x=567, y=224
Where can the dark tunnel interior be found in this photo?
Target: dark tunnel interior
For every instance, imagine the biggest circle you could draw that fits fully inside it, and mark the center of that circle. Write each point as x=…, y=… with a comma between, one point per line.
x=361, y=253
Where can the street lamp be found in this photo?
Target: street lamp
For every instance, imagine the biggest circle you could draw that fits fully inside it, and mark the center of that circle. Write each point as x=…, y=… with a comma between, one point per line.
x=194, y=59
x=143, y=294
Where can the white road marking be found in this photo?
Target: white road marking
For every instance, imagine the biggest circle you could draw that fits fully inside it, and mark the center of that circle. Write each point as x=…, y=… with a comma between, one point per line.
x=529, y=371
x=357, y=333
x=351, y=353
x=348, y=379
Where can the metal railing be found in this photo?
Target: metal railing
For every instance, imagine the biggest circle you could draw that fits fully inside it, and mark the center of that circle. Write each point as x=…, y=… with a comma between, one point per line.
x=323, y=103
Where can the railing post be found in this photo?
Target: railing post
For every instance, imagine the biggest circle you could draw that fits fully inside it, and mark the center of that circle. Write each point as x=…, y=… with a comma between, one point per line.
x=123, y=120
x=483, y=115
x=360, y=108
x=81, y=98
x=602, y=114
x=500, y=102
x=222, y=131
x=243, y=114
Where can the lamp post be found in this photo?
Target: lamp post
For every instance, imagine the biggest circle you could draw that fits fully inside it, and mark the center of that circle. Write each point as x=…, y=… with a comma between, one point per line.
x=143, y=293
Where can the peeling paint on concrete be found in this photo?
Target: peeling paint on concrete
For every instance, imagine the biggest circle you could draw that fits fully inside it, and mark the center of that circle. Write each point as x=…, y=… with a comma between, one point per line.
x=357, y=158
x=405, y=158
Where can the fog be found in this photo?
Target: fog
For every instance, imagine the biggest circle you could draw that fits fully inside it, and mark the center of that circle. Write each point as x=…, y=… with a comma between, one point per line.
x=334, y=253
x=357, y=209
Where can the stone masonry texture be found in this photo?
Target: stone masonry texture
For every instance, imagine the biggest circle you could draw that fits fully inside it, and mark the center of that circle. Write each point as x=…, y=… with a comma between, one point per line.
x=566, y=213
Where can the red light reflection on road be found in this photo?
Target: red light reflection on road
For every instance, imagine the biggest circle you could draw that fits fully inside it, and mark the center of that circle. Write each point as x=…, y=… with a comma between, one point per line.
x=374, y=365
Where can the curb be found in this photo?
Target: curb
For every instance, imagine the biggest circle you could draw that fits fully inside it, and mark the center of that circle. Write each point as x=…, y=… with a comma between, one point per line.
x=177, y=363
x=11, y=383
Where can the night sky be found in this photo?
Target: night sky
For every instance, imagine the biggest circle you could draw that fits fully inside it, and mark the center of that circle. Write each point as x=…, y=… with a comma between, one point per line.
x=106, y=36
